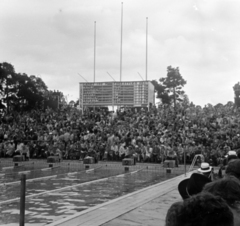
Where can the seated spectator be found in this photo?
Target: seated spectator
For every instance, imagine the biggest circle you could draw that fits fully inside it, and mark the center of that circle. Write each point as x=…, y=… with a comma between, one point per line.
x=58, y=153
x=229, y=190
x=193, y=185
x=122, y=150
x=230, y=156
x=19, y=148
x=172, y=155
x=10, y=148
x=203, y=209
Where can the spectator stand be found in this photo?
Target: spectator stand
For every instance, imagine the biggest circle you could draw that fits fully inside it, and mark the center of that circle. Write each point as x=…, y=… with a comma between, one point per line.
x=212, y=130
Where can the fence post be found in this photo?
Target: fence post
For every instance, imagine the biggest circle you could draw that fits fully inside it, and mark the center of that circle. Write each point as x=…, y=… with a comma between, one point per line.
x=22, y=200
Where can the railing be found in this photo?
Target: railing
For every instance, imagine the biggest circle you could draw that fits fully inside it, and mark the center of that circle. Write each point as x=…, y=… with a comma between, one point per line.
x=194, y=161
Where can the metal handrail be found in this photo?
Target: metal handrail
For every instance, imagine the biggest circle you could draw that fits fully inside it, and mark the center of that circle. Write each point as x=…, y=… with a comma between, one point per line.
x=194, y=161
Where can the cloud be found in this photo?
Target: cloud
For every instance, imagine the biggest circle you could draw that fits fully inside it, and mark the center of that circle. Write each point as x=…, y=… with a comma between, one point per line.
x=55, y=39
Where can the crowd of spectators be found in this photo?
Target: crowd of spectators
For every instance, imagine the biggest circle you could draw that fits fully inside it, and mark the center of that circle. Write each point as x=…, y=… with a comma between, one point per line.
x=147, y=135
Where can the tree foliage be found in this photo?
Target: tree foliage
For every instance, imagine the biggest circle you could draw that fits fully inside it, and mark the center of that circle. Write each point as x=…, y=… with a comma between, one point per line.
x=236, y=89
x=169, y=90
x=22, y=92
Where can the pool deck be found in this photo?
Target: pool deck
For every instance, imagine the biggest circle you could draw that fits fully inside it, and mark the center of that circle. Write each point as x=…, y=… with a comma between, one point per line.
x=147, y=206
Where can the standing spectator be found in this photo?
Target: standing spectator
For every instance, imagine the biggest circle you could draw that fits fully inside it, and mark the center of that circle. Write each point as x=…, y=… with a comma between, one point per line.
x=10, y=148
x=25, y=151
x=122, y=150
x=155, y=152
x=116, y=151
x=171, y=155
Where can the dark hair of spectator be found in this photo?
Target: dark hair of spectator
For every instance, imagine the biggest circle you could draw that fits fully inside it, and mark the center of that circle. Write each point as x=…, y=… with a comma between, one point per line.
x=228, y=188
x=205, y=209
x=233, y=168
x=172, y=214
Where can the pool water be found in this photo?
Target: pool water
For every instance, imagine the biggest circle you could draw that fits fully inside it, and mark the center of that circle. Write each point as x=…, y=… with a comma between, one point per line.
x=68, y=193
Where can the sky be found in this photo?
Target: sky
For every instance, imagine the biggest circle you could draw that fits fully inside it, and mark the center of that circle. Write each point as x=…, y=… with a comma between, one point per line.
x=54, y=40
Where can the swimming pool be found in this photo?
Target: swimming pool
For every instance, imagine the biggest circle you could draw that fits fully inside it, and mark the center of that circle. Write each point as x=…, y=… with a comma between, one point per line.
x=69, y=188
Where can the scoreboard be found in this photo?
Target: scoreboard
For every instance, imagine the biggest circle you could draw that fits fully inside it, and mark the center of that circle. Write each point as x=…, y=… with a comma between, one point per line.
x=135, y=94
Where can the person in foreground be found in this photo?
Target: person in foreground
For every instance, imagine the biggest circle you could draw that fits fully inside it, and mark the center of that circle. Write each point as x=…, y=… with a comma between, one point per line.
x=193, y=185
x=203, y=209
x=229, y=190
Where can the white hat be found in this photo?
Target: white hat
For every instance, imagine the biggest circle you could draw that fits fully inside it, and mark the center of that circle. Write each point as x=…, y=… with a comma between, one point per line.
x=232, y=153
x=205, y=168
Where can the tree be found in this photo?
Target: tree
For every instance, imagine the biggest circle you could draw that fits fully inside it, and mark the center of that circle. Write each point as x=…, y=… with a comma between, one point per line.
x=72, y=103
x=28, y=95
x=185, y=100
x=7, y=71
x=23, y=92
x=161, y=92
x=77, y=103
x=170, y=88
x=236, y=89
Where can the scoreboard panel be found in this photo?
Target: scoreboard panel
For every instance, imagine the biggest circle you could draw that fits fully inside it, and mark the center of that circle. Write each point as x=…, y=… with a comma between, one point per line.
x=96, y=94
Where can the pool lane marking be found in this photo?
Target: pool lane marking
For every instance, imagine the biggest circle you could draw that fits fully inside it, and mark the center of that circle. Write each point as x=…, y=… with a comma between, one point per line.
x=86, y=171
x=50, y=168
x=93, y=169
x=8, y=167
x=29, y=180
x=136, y=171
x=130, y=173
x=47, y=177
x=28, y=171
x=24, y=172
x=59, y=189
x=11, y=167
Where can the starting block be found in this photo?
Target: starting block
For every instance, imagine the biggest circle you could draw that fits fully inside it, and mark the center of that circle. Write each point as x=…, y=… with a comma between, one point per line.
x=89, y=160
x=169, y=170
x=169, y=164
x=17, y=159
x=128, y=162
x=53, y=159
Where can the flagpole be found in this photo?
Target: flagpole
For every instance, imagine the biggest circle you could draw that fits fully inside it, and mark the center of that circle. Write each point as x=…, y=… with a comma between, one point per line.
x=94, y=72
x=146, y=48
x=121, y=43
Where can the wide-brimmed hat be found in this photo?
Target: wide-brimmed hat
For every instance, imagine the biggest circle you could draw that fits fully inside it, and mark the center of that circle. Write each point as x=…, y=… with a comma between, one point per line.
x=192, y=185
x=205, y=168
